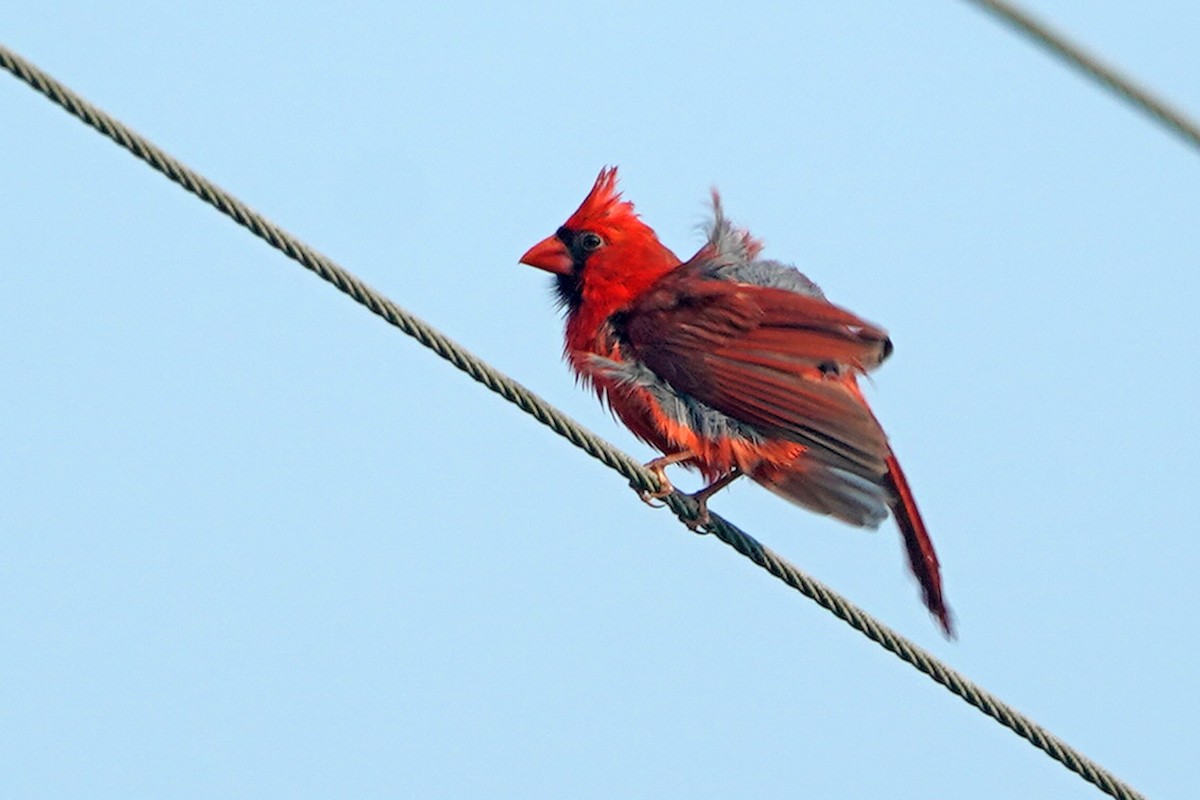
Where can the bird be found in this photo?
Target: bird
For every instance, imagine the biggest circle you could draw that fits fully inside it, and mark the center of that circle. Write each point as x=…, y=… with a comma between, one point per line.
x=731, y=364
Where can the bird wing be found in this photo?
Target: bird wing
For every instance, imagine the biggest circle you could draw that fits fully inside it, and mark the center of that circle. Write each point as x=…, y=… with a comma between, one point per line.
x=783, y=362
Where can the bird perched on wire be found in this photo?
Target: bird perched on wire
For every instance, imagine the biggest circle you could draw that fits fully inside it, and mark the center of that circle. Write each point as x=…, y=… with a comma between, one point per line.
x=733, y=365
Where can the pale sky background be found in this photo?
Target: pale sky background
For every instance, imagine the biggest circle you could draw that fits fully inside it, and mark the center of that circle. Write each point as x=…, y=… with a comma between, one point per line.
x=255, y=543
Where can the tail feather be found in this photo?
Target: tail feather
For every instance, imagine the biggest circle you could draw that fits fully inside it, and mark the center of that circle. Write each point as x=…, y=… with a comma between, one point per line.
x=863, y=501
x=921, y=557
x=825, y=489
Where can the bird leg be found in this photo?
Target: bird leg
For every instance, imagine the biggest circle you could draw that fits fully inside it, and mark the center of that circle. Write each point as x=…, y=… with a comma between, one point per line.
x=701, y=497
x=659, y=468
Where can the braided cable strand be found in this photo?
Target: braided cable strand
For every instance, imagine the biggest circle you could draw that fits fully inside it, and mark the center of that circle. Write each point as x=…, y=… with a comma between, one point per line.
x=682, y=505
x=922, y=659
x=1073, y=54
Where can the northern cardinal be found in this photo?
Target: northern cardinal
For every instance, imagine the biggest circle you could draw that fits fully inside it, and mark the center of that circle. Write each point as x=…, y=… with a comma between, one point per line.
x=732, y=365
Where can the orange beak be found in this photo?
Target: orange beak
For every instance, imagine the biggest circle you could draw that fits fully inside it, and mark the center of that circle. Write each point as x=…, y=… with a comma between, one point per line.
x=549, y=254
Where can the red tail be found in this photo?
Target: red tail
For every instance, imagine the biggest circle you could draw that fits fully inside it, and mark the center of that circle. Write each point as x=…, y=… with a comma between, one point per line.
x=921, y=557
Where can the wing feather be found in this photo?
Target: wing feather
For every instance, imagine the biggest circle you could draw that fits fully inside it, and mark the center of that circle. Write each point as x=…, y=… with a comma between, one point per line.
x=781, y=362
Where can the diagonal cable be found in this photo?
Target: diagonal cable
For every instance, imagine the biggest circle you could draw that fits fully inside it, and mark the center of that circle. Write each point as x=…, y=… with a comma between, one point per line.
x=683, y=506
x=1105, y=74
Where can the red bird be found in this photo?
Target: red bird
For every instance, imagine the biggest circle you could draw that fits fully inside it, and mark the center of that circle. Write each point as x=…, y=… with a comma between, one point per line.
x=732, y=365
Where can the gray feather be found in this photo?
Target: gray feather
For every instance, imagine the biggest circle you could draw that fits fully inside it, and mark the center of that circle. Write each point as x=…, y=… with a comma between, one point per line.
x=682, y=408
x=731, y=256
x=836, y=493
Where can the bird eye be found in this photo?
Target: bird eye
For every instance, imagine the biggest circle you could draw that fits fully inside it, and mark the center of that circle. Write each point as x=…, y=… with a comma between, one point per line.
x=590, y=241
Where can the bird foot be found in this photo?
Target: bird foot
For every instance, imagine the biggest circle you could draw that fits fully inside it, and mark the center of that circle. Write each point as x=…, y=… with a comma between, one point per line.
x=658, y=468
x=702, y=517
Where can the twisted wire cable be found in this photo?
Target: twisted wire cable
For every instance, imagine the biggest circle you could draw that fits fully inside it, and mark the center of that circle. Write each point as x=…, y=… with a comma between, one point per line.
x=1091, y=65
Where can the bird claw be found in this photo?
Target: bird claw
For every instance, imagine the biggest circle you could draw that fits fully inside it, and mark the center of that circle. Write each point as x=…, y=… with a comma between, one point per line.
x=664, y=486
x=694, y=524
x=649, y=499
x=658, y=468
x=702, y=517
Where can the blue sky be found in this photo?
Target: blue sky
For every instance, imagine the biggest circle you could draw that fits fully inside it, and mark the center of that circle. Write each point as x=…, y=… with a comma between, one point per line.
x=255, y=543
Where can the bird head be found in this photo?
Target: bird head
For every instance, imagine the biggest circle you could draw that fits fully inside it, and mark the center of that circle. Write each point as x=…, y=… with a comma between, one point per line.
x=603, y=252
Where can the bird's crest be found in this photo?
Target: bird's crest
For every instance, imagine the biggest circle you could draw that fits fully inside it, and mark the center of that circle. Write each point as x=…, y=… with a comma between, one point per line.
x=603, y=203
